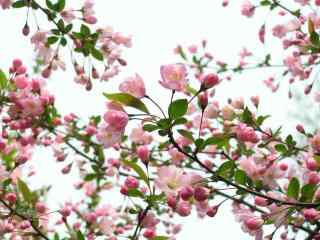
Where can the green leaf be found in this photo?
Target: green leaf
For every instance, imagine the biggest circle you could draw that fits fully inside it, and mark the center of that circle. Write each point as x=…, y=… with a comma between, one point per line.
x=135, y=193
x=138, y=170
x=186, y=134
x=97, y=54
x=56, y=237
x=178, y=108
x=80, y=236
x=51, y=40
x=281, y=148
x=160, y=238
x=307, y=192
x=61, y=5
x=3, y=80
x=219, y=141
x=180, y=121
x=127, y=100
x=25, y=191
x=19, y=4
x=90, y=177
x=246, y=116
x=293, y=188
x=150, y=127
x=85, y=30
x=240, y=177
x=226, y=169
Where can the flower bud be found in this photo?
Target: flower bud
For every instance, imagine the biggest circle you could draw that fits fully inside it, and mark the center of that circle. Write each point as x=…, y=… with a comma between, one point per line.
x=143, y=153
x=201, y=193
x=203, y=100
x=209, y=81
x=183, y=208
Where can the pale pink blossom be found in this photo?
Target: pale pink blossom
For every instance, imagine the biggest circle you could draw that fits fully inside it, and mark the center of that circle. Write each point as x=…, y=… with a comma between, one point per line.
x=108, y=136
x=170, y=179
x=134, y=86
x=174, y=76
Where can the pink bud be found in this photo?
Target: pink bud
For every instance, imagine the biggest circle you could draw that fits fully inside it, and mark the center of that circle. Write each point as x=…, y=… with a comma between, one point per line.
x=171, y=201
x=310, y=214
x=255, y=100
x=201, y=193
x=210, y=80
x=311, y=164
x=212, y=211
x=203, y=100
x=253, y=223
x=131, y=182
x=11, y=197
x=90, y=19
x=124, y=190
x=46, y=72
x=260, y=201
x=26, y=30
x=16, y=63
x=283, y=166
x=21, y=70
x=300, y=128
x=149, y=233
x=65, y=211
x=143, y=153
x=183, y=208
x=24, y=225
x=317, y=2
x=21, y=81
x=41, y=207
x=314, y=178
x=186, y=193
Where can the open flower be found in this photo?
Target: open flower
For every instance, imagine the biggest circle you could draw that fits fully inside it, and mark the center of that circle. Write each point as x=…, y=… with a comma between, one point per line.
x=173, y=76
x=170, y=179
x=134, y=86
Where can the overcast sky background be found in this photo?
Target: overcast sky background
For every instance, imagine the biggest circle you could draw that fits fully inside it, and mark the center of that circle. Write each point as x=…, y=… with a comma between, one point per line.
x=157, y=27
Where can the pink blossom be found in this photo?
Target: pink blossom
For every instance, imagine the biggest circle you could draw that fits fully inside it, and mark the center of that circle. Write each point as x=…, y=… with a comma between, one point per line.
x=116, y=119
x=68, y=15
x=170, y=179
x=134, y=86
x=174, y=76
x=246, y=133
x=139, y=136
x=247, y=8
x=108, y=136
x=5, y=4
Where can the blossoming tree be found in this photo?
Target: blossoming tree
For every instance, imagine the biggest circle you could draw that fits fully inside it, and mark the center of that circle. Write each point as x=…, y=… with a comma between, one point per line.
x=190, y=156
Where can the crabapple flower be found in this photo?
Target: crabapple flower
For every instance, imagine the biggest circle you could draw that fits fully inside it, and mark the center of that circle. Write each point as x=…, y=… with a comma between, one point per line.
x=134, y=86
x=246, y=133
x=247, y=8
x=174, y=76
x=116, y=119
x=170, y=179
x=108, y=136
x=5, y=4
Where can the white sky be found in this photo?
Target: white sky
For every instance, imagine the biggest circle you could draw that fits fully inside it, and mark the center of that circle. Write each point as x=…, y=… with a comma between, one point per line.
x=157, y=27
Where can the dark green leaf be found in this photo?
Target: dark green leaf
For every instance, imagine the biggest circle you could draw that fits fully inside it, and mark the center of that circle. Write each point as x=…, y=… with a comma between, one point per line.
x=178, y=108
x=85, y=30
x=97, y=54
x=19, y=4
x=135, y=193
x=51, y=40
x=150, y=127
x=127, y=100
x=307, y=192
x=80, y=236
x=293, y=188
x=240, y=177
x=226, y=169
x=186, y=134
